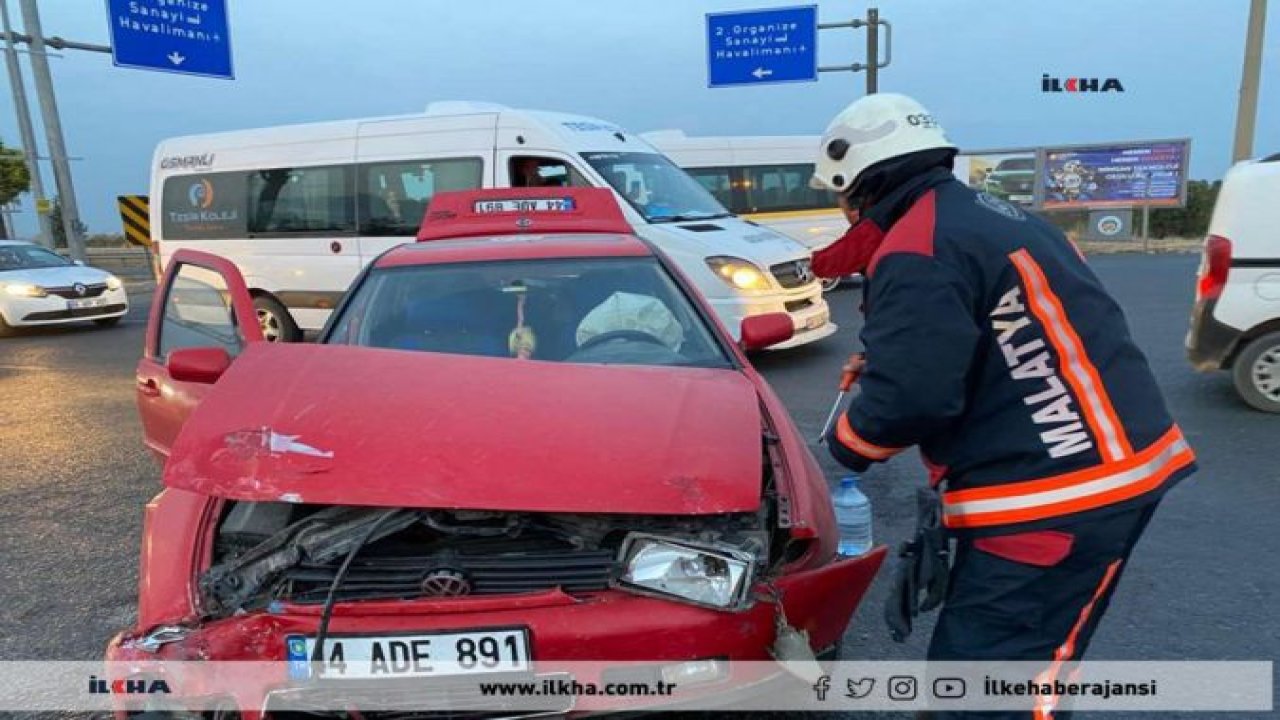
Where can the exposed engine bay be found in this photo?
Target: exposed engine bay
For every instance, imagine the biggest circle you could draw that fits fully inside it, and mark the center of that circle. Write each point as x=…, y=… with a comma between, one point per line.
x=267, y=552
x=264, y=552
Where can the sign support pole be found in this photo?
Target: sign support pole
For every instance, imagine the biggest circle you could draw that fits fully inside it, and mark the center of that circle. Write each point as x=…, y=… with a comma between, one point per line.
x=1146, y=227
x=53, y=130
x=26, y=131
x=873, y=65
x=873, y=50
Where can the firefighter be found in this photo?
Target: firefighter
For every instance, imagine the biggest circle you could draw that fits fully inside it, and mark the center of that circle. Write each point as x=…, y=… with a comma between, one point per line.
x=992, y=346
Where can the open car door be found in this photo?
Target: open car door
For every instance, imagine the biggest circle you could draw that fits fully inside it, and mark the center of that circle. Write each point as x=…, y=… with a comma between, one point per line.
x=201, y=318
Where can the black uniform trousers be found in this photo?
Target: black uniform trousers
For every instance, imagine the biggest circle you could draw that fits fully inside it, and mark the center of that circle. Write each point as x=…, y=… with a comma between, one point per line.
x=1016, y=599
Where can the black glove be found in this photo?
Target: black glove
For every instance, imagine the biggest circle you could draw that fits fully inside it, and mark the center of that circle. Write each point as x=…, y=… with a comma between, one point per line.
x=924, y=564
x=844, y=455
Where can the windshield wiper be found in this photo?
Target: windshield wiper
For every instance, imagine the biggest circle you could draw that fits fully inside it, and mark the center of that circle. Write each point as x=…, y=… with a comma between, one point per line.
x=688, y=217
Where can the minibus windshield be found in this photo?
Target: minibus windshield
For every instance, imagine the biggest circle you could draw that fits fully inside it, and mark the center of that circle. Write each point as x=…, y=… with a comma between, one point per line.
x=655, y=187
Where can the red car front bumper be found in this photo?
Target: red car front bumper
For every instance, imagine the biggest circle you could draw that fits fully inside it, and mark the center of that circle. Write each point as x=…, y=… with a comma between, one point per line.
x=609, y=626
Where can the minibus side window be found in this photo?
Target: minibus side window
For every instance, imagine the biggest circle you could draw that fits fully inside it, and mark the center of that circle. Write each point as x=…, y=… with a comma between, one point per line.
x=530, y=171
x=207, y=206
x=773, y=188
x=393, y=196
x=301, y=201
x=717, y=182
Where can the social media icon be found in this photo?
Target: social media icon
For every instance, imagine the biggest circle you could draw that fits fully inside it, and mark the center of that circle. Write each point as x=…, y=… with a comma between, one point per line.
x=949, y=688
x=902, y=687
x=858, y=689
x=821, y=687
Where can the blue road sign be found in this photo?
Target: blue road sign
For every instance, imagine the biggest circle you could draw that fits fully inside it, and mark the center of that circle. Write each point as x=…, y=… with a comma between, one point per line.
x=177, y=36
x=752, y=47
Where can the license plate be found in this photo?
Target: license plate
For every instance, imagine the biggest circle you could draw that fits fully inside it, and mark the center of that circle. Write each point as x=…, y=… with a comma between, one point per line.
x=815, y=322
x=524, y=205
x=1020, y=198
x=423, y=655
x=86, y=303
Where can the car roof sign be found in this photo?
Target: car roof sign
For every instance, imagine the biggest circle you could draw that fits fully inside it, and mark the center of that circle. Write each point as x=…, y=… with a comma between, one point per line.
x=512, y=211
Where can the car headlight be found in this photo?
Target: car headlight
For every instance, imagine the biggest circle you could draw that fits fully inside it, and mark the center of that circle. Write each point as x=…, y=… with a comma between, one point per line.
x=26, y=290
x=114, y=283
x=738, y=273
x=713, y=576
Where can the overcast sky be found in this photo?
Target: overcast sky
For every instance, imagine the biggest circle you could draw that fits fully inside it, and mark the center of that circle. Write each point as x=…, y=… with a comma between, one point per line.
x=977, y=64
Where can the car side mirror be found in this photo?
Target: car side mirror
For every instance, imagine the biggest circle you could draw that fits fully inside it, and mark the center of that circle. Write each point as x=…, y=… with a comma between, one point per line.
x=762, y=331
x=198, y=365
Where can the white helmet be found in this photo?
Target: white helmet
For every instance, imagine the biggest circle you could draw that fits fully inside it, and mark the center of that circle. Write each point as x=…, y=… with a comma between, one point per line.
x=871, y=129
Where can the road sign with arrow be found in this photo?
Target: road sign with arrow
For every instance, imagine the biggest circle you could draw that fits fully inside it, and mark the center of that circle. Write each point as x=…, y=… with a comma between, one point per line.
x=754, y=47
x=190, y=37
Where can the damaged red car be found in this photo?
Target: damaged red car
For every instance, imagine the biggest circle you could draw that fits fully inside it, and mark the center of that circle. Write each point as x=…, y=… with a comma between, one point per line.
x=522, y=440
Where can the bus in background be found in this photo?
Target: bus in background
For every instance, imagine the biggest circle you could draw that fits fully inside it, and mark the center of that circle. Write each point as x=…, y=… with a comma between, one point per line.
x=301, y=209
x=764, y=179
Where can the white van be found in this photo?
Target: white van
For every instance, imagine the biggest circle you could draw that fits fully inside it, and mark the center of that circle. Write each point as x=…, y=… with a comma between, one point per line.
x=764, y=179
x=300, y=209
x=1236, y=321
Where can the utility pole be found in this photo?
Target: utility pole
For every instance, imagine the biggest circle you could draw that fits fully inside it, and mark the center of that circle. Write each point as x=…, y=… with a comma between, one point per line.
x=1247, y=110
x=53, y=129
x=26, y=132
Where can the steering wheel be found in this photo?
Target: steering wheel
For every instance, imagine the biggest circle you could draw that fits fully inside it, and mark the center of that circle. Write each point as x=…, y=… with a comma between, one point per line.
x=633, y=335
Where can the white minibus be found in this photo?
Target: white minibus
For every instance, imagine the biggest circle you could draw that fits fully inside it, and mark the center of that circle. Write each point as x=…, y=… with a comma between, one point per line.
x=300, y=209
x=764, y=179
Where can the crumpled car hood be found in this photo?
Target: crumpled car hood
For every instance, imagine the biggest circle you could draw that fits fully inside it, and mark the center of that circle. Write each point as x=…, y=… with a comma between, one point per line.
x=332, y=424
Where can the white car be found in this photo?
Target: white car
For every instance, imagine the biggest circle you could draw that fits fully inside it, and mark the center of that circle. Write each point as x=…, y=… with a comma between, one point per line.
x=1236, y=322
x=40, y=287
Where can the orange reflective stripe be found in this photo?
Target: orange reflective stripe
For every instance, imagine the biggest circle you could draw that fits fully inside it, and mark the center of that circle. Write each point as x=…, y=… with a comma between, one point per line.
x=1067, y=650
x=850, y=439
x=1056, y=482
x=1074, y=362
x=1075, y=492
x=1009, y=517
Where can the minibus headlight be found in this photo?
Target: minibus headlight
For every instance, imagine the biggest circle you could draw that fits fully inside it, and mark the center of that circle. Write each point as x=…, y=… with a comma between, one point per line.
x=738, y=273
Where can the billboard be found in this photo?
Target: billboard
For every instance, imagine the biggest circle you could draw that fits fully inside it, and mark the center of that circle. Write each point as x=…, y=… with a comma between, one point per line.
x=1119, y=175
x=1010, y=175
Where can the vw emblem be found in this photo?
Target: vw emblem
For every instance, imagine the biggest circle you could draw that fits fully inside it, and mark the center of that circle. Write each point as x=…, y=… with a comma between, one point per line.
x=524, y=223
x=80, y=289
x=445, y=582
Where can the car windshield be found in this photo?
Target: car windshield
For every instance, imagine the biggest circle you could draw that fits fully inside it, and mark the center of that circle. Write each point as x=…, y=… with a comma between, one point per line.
x=583, y=310
x=27, y=257
x=655, y=187
x=1017, y=164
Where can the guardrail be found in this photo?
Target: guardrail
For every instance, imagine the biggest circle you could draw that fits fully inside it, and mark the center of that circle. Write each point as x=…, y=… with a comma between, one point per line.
x=132, y=262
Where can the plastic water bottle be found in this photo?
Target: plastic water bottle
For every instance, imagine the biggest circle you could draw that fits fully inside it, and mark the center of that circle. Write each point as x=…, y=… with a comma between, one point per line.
x=853, y=515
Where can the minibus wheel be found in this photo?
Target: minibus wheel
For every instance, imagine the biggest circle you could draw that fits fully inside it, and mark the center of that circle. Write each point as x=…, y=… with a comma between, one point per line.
x=1256, y=373
x=276, y=322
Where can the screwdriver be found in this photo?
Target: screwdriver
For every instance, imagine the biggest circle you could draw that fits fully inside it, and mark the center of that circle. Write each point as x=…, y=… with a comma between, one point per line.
x=847, y=378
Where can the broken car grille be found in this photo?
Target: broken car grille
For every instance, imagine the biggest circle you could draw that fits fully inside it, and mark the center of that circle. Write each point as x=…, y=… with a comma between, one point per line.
x=456, y=573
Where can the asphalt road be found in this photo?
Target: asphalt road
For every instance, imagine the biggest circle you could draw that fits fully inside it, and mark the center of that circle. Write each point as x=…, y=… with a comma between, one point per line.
x=1202, y=585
